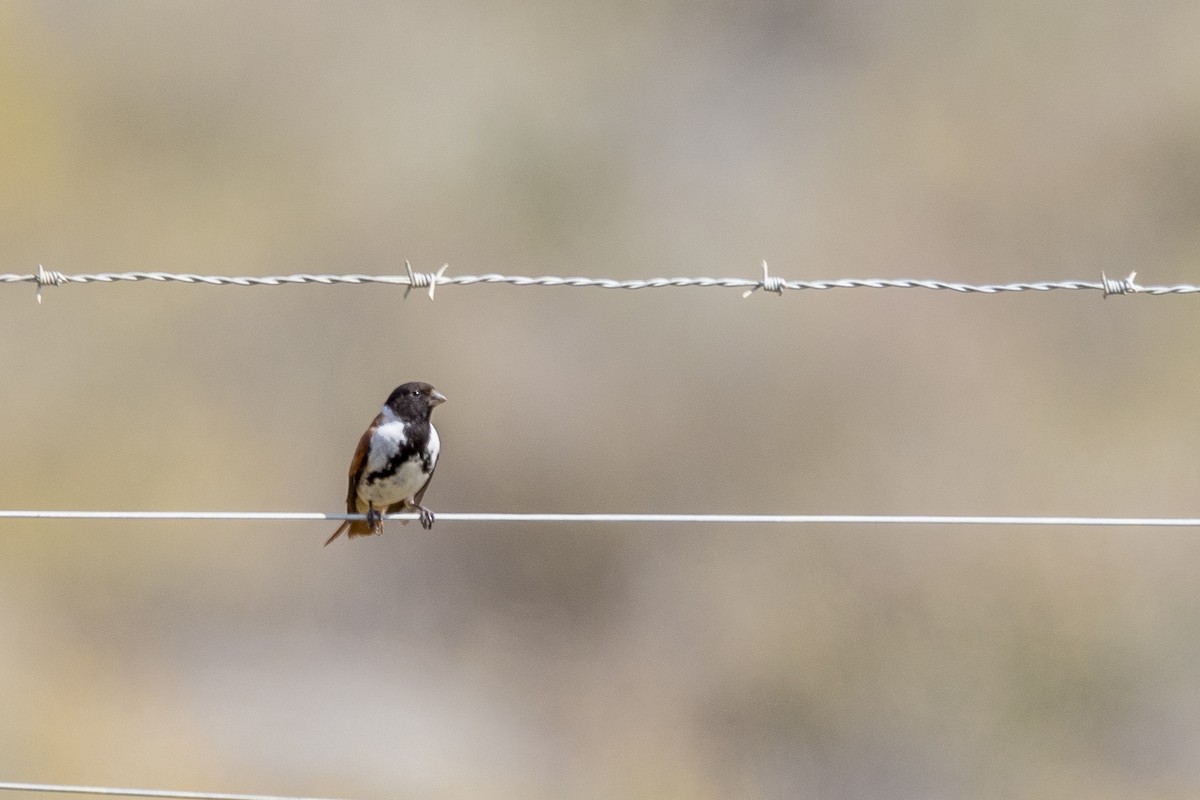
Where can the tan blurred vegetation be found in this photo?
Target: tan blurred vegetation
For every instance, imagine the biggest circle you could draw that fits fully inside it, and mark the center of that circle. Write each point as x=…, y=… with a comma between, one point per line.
x=972, y=141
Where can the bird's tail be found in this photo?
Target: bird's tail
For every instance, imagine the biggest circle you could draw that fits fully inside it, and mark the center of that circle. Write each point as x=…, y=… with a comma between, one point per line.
x=356, y=527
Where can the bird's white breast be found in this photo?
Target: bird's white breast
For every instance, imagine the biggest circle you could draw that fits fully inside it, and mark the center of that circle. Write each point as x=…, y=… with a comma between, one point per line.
x=406, y=481
x=385, y=441
x=435, y=446
x=396, y=488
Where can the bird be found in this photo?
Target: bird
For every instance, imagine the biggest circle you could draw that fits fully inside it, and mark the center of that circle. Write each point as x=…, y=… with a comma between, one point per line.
x=394, y=461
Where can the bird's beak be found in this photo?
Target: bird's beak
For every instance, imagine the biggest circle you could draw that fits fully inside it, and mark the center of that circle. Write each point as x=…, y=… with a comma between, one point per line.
x=437, y=398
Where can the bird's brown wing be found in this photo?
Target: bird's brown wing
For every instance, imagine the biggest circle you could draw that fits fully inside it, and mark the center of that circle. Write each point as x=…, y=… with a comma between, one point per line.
x=357, y=465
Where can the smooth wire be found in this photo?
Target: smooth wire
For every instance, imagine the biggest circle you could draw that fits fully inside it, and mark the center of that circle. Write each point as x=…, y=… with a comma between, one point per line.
x=786, y=519
x=116, y=792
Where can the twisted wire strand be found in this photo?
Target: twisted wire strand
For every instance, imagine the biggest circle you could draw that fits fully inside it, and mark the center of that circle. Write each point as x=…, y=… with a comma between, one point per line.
x=431, y=280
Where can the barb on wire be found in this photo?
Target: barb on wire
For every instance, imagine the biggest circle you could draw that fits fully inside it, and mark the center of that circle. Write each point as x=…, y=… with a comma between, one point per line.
x=111, y=791
x=728, y=519
x=44, y=278
x=431, y=280
x=1126, y=286
x=417, y=280
x=769, y=282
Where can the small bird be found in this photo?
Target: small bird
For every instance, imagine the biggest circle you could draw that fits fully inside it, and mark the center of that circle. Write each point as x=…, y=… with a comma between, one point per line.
x=394, y=461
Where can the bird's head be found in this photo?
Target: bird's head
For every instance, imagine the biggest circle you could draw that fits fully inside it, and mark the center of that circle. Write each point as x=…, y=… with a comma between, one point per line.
x=414, y=400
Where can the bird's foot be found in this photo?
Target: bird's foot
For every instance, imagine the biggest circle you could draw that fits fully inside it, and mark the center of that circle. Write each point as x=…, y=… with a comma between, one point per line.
x=426, y=517
x=375, y=520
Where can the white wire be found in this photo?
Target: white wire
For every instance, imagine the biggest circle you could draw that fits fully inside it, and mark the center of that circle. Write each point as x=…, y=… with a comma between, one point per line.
x=727, y=519
x=115, y=792
x=431, y=280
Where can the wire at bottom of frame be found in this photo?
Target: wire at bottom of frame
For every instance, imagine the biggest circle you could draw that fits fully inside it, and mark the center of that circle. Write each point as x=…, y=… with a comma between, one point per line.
x=110, y=791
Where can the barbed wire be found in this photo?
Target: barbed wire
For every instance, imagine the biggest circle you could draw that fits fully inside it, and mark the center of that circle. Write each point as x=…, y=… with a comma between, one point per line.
x=727, y=519
x=117, y=792
x=431, y=280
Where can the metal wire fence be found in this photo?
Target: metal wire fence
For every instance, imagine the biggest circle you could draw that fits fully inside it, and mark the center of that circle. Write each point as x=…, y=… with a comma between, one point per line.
x=661, y=519
x=429, y=281
x=412, y=279
x=112, y=791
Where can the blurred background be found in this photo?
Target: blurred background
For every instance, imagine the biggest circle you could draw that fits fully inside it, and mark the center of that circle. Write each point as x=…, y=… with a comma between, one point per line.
x=979, y=141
